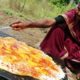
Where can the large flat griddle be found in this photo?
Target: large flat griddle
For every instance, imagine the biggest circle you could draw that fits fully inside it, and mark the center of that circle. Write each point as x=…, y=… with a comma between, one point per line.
x=4, y=75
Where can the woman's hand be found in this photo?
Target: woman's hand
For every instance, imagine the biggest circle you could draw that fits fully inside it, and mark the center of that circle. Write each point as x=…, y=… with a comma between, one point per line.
x=20, y=25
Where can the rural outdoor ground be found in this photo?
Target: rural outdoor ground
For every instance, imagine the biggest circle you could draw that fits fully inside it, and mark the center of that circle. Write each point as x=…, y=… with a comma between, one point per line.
x=24, y=9
x=31, y=36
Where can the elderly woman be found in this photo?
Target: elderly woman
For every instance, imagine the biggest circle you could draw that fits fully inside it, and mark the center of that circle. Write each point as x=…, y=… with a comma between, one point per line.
x=63, y=40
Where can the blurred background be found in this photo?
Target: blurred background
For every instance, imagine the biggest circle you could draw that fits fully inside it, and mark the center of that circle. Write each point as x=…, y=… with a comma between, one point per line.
x=34, y=9
x=14, y=10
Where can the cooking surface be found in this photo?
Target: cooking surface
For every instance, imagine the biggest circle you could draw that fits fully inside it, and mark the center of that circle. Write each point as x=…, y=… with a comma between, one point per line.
x=8, y=75
x=29, y=36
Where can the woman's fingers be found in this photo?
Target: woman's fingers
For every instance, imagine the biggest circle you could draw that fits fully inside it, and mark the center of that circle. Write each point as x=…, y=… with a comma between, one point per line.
x=17, y=22
x=19, y=25
x=17, y=29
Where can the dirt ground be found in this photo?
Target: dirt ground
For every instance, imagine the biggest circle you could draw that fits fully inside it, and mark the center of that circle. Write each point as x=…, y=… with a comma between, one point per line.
x=31, y=36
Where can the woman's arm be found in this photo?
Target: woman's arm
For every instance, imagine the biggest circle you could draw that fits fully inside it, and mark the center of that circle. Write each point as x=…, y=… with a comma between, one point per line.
x=42, y=23
x=37, y=24
x=31, y=24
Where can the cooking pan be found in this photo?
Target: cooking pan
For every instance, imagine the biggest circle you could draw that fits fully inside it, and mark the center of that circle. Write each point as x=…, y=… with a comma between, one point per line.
x=5, y=75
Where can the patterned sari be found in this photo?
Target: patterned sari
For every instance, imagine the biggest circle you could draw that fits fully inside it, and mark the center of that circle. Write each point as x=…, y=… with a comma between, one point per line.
x=66, y=35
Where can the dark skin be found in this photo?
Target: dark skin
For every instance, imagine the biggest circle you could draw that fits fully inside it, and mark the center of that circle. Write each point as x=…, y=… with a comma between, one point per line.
x=19, y=25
